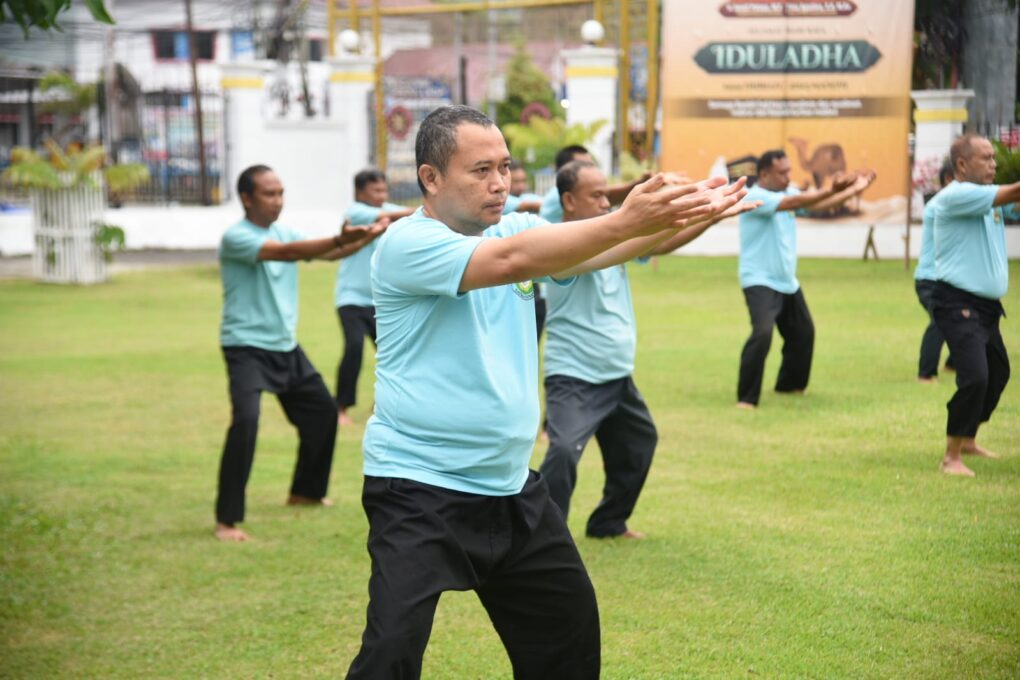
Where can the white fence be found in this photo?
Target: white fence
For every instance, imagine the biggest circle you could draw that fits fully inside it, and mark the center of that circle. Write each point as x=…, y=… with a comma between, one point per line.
x=65, y=220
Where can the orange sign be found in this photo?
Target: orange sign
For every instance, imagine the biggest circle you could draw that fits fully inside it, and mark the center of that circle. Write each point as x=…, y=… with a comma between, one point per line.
x=828, y=81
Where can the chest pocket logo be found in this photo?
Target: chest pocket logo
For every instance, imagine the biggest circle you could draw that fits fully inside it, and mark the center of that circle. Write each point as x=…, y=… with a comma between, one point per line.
x=525, y=290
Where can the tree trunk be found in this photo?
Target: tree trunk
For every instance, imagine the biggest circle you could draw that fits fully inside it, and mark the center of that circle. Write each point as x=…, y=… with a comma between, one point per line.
x=990, y=61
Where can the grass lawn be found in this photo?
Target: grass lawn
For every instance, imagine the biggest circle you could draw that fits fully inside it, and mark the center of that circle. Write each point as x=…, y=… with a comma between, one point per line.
x=812, y=538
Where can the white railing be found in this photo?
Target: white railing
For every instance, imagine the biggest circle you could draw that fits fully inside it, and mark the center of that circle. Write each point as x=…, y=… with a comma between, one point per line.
x=64, y=223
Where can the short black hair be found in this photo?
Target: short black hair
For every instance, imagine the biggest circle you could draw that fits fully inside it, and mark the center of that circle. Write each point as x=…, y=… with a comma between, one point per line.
x=246, y=180
x=437, y=136
x=515, y=164
x=366, y=177
x=567, y=153
x=768, y=158
x=946, y=173
x=566, y=178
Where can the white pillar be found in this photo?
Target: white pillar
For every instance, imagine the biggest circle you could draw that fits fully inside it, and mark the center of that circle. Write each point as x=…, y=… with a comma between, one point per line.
x=244, y=99
x=938, y=120
x=591, y=77
x=351, y=83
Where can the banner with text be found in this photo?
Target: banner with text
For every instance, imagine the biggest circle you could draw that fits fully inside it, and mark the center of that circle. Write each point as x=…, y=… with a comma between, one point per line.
x=826, y=80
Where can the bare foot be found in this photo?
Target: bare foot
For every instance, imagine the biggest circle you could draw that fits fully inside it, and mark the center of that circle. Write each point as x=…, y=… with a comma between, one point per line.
x=929, y=380
x=228, y=532
x=747, y=406
x=295, y=499
x=976, y=449
x=630, y=533
x=955, y=467
x=344, y=419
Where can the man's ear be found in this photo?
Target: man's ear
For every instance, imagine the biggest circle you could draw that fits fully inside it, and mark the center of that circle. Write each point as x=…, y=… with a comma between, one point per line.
x=568, y=202
x=429, y=177
x=246, y=201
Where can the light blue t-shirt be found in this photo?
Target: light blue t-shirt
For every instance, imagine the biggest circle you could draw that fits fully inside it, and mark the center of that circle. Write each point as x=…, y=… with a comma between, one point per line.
x=590, y=328
x=260, y=297
x=551, y=210
x=456, y=394
x=970, y=240
x=514, y=202
x=768, y=242
x=353, y=282
x=926, y=258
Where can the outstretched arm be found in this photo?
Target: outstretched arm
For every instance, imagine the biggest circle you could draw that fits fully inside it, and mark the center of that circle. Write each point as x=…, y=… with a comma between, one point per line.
x=725, y=198
x=840, y=182
x=1007, y=193
x=862, y=182
x=652, y=207
x=699, y=227
x=311, y=249
x=368, y=234
x=617, y=193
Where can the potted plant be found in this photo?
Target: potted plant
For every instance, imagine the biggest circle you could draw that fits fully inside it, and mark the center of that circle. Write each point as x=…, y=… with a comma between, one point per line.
x=68, y=191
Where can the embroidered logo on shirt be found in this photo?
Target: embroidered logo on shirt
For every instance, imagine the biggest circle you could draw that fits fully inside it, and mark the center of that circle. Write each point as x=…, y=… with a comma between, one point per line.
x=525, y=290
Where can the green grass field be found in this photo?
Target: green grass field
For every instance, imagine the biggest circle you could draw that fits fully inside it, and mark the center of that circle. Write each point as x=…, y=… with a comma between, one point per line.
x=813, y=538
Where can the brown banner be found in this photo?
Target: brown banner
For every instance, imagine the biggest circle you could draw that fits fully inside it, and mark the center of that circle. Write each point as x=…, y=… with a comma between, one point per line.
x=826, y=80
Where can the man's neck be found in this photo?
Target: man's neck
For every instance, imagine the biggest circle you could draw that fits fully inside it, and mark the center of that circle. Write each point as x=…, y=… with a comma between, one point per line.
x=258, y=223
x=466, y=229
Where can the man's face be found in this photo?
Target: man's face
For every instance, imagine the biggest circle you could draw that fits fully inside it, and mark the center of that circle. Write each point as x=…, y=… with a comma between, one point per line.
x=470, y=195
x=374, y=194
x=589, y=197
x=776, y=178
x=978, y=166
x=265, y=203
x=518, y=181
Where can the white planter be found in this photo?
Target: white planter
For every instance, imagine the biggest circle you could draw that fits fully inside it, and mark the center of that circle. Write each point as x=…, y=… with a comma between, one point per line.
x=64, y=225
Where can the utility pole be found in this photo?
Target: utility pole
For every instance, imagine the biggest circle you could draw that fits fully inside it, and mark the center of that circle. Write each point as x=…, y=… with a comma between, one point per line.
x=110, y=126
x=196, y=96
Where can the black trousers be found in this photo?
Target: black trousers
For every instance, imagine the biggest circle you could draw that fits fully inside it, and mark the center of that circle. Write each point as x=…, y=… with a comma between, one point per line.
x=308, y=405
x=540, y=310
x=616, y=414
x=789, y=313
x=356, y=322
x=931, y=341
x=515, y=552
x=970, y=325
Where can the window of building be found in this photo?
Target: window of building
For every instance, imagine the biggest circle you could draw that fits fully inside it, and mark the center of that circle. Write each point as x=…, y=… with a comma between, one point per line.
x=173, y=45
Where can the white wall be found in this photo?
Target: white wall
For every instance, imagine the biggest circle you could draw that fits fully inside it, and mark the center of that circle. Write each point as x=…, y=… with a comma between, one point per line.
x=192, y=227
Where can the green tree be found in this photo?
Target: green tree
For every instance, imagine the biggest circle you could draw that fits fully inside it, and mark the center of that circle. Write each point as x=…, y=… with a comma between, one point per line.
x=535, y=144
x=44, y=13
x=526, y=85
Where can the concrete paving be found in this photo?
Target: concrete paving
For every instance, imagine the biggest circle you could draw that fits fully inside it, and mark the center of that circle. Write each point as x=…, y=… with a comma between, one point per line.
x=20, y=267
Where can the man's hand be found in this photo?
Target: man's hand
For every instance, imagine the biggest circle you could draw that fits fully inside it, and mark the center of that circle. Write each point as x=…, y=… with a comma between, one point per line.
x=653, y=205
x=843, y=180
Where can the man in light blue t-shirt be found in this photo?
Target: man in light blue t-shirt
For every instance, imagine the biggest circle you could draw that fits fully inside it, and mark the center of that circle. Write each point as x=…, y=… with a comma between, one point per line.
x=924, y=285
x=257, y=265
x=520, y=199
x=589, y=359
x=552, y=209
x=353, y=290
x=972, y=275
x=768, y=273
x=449, y=498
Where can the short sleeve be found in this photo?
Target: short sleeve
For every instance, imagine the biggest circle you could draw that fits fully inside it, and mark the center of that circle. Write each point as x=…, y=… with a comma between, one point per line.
x=423, y=257
x=770, y=201
x=967, y=200
x=242, y=244
x=362, y=213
